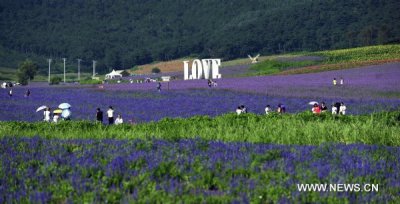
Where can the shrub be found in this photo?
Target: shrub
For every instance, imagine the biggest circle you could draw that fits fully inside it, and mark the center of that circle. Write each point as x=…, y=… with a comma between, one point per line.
x=155, y=70
x=89, y=80
x=55, y=80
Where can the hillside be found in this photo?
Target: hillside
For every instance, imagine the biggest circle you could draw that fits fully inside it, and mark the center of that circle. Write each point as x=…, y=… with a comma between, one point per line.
x=294, y=63
x=121, y=34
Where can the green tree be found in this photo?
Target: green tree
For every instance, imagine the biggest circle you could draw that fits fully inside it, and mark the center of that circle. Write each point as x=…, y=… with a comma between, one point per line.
x=26, y=71
x=155, y=70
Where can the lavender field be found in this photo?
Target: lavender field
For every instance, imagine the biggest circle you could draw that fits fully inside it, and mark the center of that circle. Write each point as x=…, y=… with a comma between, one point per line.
x=366, y=90
x=98, y=171
x=251, y=158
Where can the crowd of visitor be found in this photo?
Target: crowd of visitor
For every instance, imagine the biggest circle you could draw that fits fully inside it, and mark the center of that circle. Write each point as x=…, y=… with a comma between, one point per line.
x=337, y=108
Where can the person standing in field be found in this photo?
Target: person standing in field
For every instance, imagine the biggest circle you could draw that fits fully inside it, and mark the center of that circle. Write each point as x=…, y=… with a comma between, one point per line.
x=27, y=93
x=238, y=110
x=267, y=109
x=243, y=108
x=99, y=115
x=119, y=120
x=342, y=109
x=323, y=107
x=159, y=87
x=56, y=116
x=341, y=81
x=214, y=83
x=334, y=109
x=337, y=105
x=281, y=108
x=46, y=115
x=110, y=115
x=10, y=93
x=334, y=82
x=66, y=114
x=316, y=109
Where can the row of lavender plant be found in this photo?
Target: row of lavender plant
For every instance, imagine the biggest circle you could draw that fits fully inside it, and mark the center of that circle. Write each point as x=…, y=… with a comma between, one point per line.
x=143, y=106
x=367, y=82
x=101, y=171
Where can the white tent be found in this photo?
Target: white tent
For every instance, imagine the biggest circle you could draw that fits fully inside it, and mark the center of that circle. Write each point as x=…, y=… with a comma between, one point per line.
x=114, y=74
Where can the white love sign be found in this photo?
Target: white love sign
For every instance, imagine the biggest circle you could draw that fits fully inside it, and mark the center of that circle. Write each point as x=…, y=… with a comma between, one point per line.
x=201, y=69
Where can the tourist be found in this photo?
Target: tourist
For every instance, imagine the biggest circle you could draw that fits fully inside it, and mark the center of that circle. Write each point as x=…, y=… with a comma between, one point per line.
x=267, y=110
x=110, y=115
x=337, y=105
x=46, y=115
x=56, y=116
x=27, y=93
x=119, y=120
x=341, y=81
x=334, y=81
x=342, y=109
x=214, y=83
x=238, y=110
x=323, y=107
x=66, y=114
x=10, y=93
x=281, y=108
x=209, y=83
x=243, y=108
x=159, y=87
x=99, y=115
x=316, y=109
x=334, y=109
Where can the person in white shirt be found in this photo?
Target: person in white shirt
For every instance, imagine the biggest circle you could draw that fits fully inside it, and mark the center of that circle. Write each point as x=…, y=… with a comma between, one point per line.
x=238, y=110
x=110, y=115
x=56, y=116
x=334, y=110
x=267, y=110
x=342, y=109
x=119, y=120
x=46, y=115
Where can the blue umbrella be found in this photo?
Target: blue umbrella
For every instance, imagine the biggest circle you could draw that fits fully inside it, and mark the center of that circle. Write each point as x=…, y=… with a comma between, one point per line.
x=64, y=106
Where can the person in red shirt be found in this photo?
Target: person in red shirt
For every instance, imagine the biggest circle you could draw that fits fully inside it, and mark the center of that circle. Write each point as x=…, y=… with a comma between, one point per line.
x=316, y=109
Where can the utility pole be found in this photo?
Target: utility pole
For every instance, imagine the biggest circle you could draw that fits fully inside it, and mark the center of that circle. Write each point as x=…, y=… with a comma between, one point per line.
x=49, y=68
x=94, y=68
x=64, y=68
x=79, y=69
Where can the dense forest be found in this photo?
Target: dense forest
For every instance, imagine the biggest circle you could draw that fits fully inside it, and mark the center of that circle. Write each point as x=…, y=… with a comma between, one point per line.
x=124, y=33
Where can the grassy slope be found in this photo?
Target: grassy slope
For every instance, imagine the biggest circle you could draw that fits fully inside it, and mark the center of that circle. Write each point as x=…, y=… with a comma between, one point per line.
x=333, y=60
x=303, y=129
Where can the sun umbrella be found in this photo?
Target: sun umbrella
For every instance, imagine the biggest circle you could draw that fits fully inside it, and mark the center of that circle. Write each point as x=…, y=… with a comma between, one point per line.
x=64, y=106
x=313, y=102
x=41, y=108
x=57, y=111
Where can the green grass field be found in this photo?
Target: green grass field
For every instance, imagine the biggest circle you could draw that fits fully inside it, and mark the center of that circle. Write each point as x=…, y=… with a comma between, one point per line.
x=303, y=129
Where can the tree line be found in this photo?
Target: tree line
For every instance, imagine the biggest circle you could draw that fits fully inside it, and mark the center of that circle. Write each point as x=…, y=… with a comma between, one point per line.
x=124, y=33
